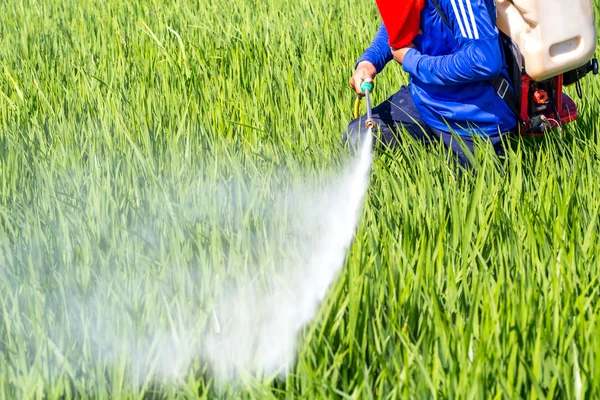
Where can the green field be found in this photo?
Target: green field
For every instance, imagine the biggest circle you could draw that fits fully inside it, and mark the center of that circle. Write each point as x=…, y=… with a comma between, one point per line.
x=140, y=147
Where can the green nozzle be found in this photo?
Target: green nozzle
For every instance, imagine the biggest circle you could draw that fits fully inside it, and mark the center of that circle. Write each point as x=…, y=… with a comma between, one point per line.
x=366, y=87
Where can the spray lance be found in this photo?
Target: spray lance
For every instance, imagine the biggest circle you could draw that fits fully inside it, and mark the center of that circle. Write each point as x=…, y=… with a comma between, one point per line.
x=367, y=88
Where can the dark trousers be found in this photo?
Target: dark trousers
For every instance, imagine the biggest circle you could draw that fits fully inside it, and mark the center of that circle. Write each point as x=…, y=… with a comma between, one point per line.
x=399, y=112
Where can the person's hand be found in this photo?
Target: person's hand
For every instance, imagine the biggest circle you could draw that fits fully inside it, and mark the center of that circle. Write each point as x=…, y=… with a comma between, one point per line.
x=400, y=53
x=365, y=72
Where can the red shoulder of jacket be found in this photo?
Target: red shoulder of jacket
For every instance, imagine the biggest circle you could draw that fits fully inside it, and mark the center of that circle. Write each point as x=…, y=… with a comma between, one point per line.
x=401, y=19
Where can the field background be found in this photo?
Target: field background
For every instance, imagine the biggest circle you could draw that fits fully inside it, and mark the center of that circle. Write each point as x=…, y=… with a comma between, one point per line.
x=129, y=131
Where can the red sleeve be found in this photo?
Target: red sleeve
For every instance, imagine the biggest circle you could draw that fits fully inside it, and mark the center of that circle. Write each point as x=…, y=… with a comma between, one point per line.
x=401, y=19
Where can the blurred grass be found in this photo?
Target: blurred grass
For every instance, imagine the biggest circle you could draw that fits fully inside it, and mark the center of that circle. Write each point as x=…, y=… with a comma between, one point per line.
x=139, y=140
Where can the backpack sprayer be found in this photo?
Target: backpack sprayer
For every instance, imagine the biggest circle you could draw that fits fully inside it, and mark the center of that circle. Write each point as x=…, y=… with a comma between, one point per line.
x=548, y=44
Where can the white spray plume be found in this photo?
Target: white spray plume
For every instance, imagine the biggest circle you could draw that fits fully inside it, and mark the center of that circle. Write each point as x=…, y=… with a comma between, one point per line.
x=256, y=329
x=253, y=327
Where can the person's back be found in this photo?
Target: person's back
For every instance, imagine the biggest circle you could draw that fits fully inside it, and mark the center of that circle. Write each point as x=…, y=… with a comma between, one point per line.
x=450, y=68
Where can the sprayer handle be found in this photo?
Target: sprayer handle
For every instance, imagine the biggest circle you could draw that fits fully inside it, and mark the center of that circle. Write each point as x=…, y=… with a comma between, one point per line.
x=366, y=87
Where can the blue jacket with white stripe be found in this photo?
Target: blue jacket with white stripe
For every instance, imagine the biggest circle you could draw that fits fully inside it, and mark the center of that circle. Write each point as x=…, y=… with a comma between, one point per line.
x=451, y=65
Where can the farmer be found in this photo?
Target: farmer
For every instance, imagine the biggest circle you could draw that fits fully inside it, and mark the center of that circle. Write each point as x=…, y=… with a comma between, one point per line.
x=452, y=63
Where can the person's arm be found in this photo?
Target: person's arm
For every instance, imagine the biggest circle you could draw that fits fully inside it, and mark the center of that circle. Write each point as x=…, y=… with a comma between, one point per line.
x=378, y=53
x=478, y=56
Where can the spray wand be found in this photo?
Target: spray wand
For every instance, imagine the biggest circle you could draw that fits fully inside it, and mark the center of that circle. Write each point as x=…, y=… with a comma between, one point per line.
x=367, y=88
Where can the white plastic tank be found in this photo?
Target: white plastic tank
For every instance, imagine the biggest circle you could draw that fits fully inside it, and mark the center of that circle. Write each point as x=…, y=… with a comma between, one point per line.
x=555, y=36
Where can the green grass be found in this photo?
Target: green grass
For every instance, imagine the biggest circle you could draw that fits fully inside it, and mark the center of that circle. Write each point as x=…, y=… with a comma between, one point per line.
x=140, y=144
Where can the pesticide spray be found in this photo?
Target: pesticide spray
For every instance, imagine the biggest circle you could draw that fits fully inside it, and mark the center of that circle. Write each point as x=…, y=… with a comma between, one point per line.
x=256, y=330
x=152, y=321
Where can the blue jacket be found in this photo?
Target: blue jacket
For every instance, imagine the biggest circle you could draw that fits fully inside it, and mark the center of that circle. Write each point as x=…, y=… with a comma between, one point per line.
x=450, y=68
